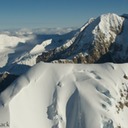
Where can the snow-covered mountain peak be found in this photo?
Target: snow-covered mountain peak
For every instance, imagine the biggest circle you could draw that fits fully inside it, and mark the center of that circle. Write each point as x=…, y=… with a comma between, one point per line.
x=109, y=22
x=111, y=17
x=94, y=42
x=109, y=25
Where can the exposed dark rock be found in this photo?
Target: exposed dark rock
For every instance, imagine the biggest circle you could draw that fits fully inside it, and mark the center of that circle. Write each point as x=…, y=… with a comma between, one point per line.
x=6, y=79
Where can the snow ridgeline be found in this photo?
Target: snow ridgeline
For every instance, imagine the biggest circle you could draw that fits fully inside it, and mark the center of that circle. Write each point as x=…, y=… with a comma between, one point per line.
x=67, y=96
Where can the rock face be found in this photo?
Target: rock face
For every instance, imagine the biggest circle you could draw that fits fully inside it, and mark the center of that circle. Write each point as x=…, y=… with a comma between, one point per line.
x=5, y=80
x=104, y=39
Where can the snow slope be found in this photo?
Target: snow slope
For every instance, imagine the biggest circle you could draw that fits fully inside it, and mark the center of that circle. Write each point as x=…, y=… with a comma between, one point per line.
x=67, y=96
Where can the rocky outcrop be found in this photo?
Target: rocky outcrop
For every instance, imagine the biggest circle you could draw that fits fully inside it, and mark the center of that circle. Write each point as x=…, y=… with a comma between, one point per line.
x=6, y=79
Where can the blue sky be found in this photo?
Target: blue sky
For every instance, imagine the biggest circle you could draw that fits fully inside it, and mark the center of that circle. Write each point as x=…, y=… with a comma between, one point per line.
x=55, y=13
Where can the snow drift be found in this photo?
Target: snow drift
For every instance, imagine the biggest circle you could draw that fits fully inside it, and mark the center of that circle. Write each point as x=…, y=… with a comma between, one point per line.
x=67, y=96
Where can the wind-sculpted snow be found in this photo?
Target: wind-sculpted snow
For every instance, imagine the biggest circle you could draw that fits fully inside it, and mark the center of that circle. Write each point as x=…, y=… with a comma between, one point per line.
x=67, y=96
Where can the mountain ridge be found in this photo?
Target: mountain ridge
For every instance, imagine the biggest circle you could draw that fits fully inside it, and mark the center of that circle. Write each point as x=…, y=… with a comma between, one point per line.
x=94, y=42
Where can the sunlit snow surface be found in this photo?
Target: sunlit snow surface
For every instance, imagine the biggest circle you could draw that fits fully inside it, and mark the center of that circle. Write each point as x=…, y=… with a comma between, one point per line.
x=67, y=96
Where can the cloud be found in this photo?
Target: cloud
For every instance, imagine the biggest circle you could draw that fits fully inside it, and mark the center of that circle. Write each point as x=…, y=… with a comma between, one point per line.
x=26, y=31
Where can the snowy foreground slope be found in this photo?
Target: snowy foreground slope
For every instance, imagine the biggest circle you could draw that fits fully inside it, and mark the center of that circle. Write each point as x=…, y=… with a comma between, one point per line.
x=67, y=96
